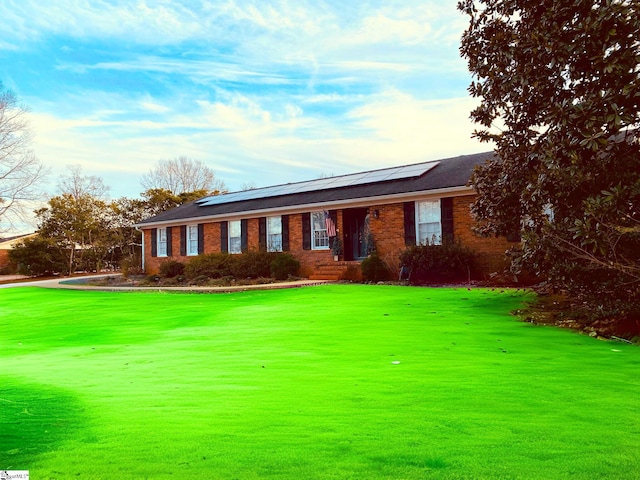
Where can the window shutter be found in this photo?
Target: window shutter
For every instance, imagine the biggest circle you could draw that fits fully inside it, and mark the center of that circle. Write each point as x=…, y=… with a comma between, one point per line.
x=200, y=238
x=183, y=240
x=409, y=223
x=262, y=233
x=285, y=233
x=306, y=231
x=224, y=237
x=244, y=235
x=154, y=242
x=446, y=218
x=169, y=241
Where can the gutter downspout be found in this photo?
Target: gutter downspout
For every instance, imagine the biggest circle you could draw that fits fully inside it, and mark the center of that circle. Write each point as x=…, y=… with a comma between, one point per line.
x=142, y=232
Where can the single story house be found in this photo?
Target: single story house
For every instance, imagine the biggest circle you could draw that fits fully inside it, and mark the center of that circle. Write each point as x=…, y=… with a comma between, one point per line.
x=392, y=207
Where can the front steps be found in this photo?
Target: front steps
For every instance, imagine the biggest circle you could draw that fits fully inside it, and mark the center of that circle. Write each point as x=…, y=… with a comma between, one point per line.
x=337, y=271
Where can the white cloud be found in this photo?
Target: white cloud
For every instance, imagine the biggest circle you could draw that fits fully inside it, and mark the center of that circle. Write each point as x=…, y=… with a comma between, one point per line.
x=163, y=23
x=250, y=140
x=380, y=28
x=261, y=91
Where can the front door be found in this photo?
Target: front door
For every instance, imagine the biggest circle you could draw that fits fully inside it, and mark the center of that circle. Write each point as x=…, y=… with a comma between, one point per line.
x=354, y=220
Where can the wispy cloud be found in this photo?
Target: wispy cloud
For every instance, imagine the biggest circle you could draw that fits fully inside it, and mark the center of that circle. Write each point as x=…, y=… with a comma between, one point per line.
x=264, y=92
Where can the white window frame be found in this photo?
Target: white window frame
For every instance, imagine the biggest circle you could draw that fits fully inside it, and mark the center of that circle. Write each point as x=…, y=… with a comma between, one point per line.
x=428, y=222
x=235, y=236
x=192, y=240
x=319, y=237
x=161, y=242
x=274, y=234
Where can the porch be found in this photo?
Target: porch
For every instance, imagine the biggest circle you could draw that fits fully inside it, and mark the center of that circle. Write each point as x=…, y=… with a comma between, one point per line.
x=340, y=270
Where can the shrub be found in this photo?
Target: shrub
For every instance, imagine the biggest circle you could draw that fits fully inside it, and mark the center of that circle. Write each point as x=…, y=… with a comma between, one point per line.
x=214, y=265
x=131, y=265
x=171, y=268
x=199, y=280
x=283, y=266
x=450, y=261
x=38, y=256
x=252, y=264
x=602, y=296
x=374, y=269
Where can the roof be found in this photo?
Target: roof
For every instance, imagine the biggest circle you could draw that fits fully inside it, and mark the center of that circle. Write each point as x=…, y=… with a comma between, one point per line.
x=8, y=242
x=416, y=178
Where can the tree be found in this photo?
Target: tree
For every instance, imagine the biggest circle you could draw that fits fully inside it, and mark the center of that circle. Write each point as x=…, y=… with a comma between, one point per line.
x=21, y=173
x=80, y=226
x=183, y=174
x=560, y=78
x=77, y=184
x=158, y=200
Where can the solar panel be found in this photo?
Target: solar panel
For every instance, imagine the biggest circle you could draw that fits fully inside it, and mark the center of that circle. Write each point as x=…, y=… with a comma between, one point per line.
x=362, y=178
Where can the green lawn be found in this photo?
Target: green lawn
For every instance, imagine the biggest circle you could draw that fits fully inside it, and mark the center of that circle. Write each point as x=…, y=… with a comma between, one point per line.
x=331, y=382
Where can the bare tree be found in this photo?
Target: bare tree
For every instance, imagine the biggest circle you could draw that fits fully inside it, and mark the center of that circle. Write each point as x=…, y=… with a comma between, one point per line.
x=76, y=184
x=182, y=175
x=21, y=173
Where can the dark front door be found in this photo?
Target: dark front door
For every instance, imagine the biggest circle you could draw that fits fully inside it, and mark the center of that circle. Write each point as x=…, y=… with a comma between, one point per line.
x=353, y=221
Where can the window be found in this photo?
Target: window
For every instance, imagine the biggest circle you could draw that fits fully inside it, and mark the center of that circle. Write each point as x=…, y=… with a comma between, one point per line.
x=162, y=242
x=274, y=234
x=320, y=239
x=235, y=236
x=192, y=240
x=428, y=225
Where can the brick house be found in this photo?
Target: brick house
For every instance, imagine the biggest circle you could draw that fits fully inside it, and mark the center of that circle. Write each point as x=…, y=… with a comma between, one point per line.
x=6, y=244
x=396, y=207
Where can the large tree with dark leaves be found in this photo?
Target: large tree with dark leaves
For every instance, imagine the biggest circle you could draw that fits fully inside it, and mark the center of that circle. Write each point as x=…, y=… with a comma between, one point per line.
x=559, y=83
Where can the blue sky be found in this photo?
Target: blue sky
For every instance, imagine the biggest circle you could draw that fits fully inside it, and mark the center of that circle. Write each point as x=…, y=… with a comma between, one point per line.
x=263, y=92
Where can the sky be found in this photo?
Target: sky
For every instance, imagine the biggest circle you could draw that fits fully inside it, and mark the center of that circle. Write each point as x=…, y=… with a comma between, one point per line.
x=263, y=92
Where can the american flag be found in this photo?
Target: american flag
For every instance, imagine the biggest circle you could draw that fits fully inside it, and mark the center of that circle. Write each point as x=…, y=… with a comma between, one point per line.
x=331, y=227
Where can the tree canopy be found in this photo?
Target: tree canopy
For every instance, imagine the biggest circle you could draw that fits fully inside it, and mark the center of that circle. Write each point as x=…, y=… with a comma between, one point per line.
x=559, y=83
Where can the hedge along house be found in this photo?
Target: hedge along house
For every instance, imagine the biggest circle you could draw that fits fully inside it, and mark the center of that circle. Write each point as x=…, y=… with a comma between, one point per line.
x=391, y=208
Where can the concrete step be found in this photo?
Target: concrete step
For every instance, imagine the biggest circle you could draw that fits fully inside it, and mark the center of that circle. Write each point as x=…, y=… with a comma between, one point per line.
x=322, y=276
x=335, y=271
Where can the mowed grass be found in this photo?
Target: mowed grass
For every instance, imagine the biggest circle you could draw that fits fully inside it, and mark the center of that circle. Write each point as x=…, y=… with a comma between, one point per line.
x=330, y=382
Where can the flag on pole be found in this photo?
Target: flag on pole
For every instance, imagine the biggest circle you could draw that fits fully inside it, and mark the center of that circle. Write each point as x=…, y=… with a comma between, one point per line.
x=331, y=227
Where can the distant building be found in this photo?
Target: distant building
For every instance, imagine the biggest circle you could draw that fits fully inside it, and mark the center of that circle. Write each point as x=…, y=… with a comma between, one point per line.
x=7, y=244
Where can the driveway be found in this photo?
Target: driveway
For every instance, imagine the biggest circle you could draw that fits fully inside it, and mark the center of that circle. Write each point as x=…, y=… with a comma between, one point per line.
x=9, y=281
x=60, y=283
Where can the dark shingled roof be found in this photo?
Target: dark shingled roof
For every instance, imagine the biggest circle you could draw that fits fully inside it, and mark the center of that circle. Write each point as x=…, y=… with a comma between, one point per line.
x=450, y=172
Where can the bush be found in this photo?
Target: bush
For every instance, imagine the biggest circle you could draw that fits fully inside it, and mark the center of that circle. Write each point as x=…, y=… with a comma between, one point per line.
x=214, y=265
x=374, y=269
x=450, y=261
x=283, y=266
x=200, y=280
x=38, y=256
x=171, y=268
x=252, y=264
x=131, y=265
x=602, y=296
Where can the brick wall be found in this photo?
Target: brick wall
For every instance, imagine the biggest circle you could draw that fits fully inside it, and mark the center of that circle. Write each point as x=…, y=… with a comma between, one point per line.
x=388, y=233
x=211, y=238
x=309, y=259
x=490, y=250
x=4, y=258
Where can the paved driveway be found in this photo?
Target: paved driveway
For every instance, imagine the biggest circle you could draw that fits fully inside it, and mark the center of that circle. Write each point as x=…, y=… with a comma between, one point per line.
x=59, y=283
x=9, y=281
